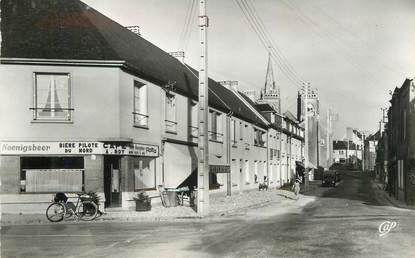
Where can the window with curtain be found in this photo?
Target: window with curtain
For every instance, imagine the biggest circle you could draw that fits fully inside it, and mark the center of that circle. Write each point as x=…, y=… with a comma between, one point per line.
x=52, y=97
x=52, y=174
x=140, y=104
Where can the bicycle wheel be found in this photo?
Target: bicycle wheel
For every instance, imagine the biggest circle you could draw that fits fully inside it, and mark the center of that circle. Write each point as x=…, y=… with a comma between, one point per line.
x=55, y=212
x=87, y=210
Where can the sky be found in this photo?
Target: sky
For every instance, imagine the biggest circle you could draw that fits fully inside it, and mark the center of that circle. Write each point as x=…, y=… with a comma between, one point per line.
x=353, y=51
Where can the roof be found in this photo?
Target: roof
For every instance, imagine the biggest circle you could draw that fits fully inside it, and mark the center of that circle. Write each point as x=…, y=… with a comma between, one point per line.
x=265, y=107
x=71, y=30
x=290, y=116
x=357, y=133
x=339, y=145
x=374, y=137
x=342, y=145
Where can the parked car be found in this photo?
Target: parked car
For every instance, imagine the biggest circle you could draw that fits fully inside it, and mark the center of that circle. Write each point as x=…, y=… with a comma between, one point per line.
x=329, y=180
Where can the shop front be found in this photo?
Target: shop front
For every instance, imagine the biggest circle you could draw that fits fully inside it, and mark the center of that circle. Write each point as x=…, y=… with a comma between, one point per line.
x=32, y=171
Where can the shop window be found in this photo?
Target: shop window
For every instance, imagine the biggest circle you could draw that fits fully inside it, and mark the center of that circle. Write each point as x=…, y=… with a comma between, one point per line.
x=52, y=97
x=144, y=173
x=170, y=113
x=52, y=174
x=140, y=113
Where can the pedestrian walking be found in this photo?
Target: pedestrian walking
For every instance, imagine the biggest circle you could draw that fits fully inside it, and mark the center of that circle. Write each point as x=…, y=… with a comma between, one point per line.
x=296, y=187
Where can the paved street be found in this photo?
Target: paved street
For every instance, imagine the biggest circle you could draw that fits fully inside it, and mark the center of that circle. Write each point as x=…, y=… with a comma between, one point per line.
x=342, y=222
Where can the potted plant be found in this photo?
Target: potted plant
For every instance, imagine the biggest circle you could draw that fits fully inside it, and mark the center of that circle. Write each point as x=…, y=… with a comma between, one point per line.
x=142, y=202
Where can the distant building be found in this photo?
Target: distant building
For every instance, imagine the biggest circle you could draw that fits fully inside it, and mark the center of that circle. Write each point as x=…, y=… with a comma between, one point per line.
x=370, y=152
x=346, y=152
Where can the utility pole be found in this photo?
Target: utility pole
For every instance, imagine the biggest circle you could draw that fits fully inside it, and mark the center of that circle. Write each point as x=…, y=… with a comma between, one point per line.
x=306, y=86
x=228, y=154
x=328, y=139
x=203, y=139
x=363, y=153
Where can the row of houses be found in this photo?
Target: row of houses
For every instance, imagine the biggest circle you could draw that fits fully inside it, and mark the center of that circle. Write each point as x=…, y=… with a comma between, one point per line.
x=395, y=160
x=87, y=105
x=356, y=150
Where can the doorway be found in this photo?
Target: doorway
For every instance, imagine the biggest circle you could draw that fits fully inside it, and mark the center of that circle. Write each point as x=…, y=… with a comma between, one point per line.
x=112, y=181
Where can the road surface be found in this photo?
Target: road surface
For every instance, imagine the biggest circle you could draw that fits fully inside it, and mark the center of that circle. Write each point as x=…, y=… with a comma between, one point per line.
x=342, y=222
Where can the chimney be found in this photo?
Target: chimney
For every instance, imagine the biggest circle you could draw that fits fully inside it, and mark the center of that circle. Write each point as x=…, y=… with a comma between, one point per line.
x=230, y=85
x=250, y=94
x=179, y=55
x=135, y=29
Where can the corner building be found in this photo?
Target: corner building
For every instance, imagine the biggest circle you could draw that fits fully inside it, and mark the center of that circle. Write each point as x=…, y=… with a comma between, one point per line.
x=87, y=105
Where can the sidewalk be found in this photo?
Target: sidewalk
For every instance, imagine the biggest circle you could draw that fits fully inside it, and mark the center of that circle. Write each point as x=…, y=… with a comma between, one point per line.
x=220, y=206
x=382, y=194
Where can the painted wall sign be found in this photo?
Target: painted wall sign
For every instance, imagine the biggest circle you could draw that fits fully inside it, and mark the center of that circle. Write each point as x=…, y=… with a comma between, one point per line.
x=219, y=169
x=77, y=148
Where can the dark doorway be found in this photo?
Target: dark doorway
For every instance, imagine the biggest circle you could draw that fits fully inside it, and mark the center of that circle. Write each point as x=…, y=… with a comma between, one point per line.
x=112, y=181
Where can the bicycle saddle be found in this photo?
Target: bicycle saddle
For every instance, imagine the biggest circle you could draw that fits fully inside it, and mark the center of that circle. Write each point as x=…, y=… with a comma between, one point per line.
x=60, y=197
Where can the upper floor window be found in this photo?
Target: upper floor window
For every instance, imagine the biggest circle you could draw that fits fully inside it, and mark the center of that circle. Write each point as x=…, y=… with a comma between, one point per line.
x=233, y=131
x=241, y=131
x=140, y=104
x=170, y=112
x=52, y=97
x=193, y=124
x=215, y=131
x=259, y=137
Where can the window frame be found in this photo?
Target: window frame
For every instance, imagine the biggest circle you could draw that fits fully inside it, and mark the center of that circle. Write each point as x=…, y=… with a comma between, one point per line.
x=154, y=165
x=69, y=108
x=140, y=113
x=172, y=123
x=53, y=159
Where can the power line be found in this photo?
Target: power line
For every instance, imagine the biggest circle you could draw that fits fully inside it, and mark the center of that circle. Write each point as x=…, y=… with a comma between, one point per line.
x=267, y=43
x=281, y=61
x=186, y=25
x=273, y=45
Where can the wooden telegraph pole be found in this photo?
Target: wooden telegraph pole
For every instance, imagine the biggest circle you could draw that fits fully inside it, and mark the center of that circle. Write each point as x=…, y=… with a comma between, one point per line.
x=306, y=150
x=203, y=139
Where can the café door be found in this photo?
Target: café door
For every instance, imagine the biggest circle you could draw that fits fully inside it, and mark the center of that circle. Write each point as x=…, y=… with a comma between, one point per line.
x=112, y=181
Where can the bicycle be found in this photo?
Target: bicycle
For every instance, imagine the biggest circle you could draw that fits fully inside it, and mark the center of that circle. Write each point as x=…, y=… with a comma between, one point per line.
x=84, y=209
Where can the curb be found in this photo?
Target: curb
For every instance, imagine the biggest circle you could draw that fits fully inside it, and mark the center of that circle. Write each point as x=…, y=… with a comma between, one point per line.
x=40, y=219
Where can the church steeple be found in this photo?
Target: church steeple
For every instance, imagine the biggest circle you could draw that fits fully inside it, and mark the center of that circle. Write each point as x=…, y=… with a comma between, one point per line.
x=270, y=93
x=269, y=79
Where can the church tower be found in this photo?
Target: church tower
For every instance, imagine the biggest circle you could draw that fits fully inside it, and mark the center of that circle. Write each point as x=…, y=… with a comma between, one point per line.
x=270, y=94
